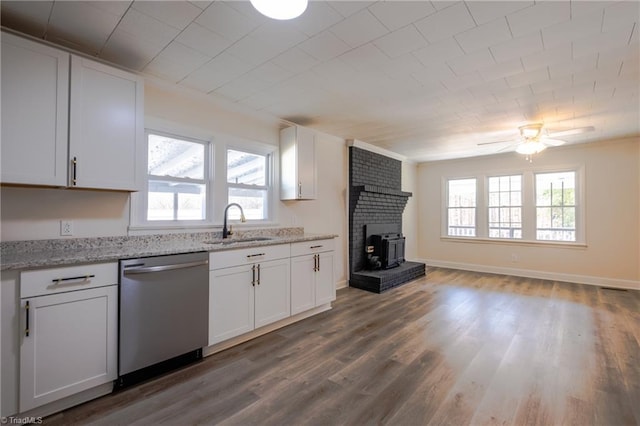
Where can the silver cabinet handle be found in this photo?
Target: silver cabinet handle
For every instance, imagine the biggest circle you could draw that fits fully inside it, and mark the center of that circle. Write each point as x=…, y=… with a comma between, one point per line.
x=258, y=274
x=253, y=275
x=161, y=268
x=80, y=277
x=26, y=309
x=315, y=247
x=249, y=256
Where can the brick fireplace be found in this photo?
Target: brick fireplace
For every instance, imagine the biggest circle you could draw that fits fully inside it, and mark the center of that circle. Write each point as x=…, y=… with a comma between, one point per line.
x=376, y=202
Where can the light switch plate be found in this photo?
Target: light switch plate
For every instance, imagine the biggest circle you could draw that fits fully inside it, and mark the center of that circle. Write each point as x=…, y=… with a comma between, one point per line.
x=66, y=228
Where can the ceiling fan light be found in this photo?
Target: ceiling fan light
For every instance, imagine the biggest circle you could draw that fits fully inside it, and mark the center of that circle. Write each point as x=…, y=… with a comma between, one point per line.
x=530, y=147
x=531, y=131
x=280, y=9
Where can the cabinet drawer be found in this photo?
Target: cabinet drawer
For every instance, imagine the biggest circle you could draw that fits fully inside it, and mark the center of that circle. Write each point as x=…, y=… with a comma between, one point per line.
x=310, y=247
x=57, y=280
x=229, y=258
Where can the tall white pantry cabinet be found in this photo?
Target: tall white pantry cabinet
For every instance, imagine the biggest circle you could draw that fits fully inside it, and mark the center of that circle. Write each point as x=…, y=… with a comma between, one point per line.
x=68, y=121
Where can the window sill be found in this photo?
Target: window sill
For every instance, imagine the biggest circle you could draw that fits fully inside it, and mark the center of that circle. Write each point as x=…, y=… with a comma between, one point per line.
x=530, y=243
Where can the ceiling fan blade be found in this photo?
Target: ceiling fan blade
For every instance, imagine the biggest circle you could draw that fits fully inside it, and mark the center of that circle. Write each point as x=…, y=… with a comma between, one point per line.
x=495, y=142
x=552, y=142
x=570, y=132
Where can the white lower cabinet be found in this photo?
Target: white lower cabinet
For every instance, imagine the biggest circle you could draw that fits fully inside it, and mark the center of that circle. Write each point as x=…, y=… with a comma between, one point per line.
x=248, y=288
x=68, y=324
x=312, y=275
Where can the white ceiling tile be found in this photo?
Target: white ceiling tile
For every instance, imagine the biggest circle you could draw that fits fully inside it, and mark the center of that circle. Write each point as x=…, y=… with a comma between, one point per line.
x=472, y=61
x=221, y=18
x=176, y=61
x=129, y=51
x=117, y=8
x=178, y=14
x=242, y=88
x=402, y=66
x=541, y=15
x=619, y=14
x=558, y=54
x=485, y=35
x=203, y=40
x=517, y=47
x=445, y=23
x=270, y=73
x=81, y=24
x=359, y=29
x=434, y=73
x=582, y=8
x=486, y=11
x=145, y=27
x=400, y=42
x=216, y=73
x=347, y=8
x=202, y=4
x=266, y=42
x=365, y=57
x=501, y=70
x=295, y=60
x=440, y=51
x=570, y=67
x=488, y=89
x=397, y=14
x=603, y=42
x=550, y=84
x=318, y=17
x=462, y=82
x=574, y=29
x=28, y=17
x=324, y=46
x=530, y=77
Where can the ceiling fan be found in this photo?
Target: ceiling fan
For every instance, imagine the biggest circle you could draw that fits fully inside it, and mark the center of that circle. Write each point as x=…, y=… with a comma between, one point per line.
x=534, y=139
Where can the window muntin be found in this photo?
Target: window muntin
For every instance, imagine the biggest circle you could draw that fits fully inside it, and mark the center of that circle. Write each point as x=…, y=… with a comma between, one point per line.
x=248, y=183
x=461, y=207
x=177, y=184
x=556, y=206
x=505, y=207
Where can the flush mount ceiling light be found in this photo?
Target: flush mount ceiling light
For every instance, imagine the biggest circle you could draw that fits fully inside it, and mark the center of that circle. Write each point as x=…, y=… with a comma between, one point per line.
x=280, y=9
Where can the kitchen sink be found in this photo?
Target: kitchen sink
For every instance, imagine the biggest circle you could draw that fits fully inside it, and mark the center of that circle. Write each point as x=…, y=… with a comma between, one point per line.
x=238, y=240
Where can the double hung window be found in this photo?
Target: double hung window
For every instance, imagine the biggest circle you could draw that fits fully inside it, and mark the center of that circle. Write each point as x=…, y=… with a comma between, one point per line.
x=247, y=183
x=528, y=206
x=177, y=178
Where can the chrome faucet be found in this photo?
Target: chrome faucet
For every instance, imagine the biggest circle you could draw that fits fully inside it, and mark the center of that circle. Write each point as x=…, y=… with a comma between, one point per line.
x=226, y=232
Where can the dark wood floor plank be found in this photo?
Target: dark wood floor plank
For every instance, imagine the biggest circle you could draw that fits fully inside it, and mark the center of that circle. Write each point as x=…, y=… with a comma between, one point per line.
x=453, y=347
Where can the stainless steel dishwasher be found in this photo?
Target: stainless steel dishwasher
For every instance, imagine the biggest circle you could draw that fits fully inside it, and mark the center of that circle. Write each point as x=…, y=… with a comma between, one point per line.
x=164, y=314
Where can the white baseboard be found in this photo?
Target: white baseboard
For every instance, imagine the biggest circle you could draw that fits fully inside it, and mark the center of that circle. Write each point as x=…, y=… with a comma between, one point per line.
x=529, y=273
x=342, y=284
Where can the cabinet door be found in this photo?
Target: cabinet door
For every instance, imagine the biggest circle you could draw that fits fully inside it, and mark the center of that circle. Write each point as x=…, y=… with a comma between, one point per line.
x=325, y=283
x=306, y=145
x=231, y=303
x=35, y=103
x=71, y=344
x=303, y=293
x=272, y=292
x=106, y=145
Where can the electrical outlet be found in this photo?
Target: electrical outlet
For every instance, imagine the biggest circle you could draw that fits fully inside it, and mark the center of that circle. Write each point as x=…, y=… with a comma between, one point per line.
x=66, y=228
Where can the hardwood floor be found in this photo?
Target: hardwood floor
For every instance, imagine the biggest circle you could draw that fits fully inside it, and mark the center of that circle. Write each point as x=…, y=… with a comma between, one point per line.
x=453, y=348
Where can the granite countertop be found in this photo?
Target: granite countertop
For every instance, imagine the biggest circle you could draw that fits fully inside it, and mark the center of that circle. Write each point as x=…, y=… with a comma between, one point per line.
x=61, y=252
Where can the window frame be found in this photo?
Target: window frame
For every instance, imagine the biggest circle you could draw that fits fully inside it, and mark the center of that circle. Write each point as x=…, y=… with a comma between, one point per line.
x=207, y=180
x=449, y=208
x=500, y=206
x=528, y=198
x=217, y=191
x=269, y=177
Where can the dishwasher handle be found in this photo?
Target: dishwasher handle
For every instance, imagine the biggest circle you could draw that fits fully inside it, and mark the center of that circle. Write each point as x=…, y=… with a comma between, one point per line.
x=162, y=268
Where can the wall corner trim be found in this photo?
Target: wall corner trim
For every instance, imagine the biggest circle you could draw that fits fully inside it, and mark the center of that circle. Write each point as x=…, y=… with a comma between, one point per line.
x=529, y=273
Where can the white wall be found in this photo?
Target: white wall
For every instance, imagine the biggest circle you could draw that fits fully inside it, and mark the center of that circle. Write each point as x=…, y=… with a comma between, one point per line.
x=410, y=214
x=612, y=211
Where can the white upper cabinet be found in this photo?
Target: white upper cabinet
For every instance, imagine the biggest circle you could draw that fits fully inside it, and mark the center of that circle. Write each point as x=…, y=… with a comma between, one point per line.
x=35, y=112
x=69, y=121
x=298, y=170
x=106, y=126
